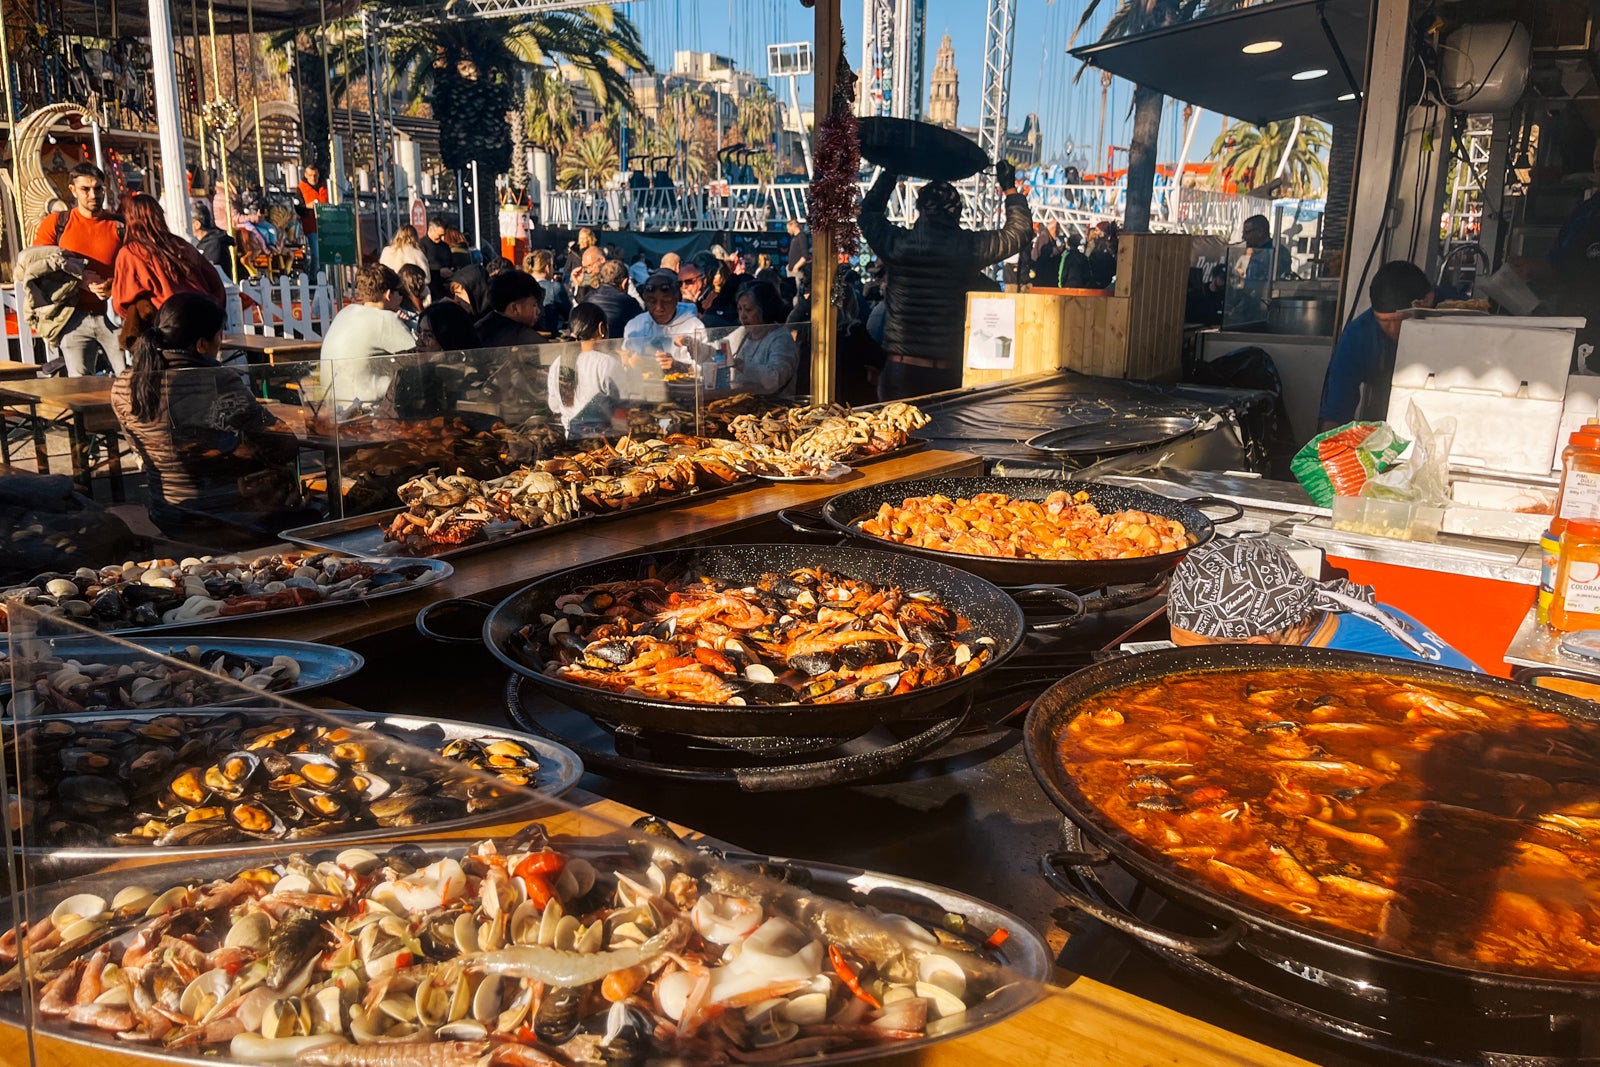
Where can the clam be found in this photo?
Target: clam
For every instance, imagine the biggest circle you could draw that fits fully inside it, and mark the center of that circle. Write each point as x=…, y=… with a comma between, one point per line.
x=807, y=1009
x=325, y=1009
x=77, y=907
x=251, y=930
x=941, y=1002
x=462, y=1030
x=61, y=587
x=944, y=972
x=132, y=900
x=147, y=692
x=357, y=860
x=287, y=1017
x=201, y=995
x=173, y=899
x=438, y=1002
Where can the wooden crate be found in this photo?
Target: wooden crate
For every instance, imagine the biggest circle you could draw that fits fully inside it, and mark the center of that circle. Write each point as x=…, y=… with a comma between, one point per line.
x=1039, y=337
x=1096, y=335
x=1153, y=272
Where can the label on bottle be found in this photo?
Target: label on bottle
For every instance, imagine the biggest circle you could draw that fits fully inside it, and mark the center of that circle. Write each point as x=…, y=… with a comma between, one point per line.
x=1582, y=594
x=1580, y=499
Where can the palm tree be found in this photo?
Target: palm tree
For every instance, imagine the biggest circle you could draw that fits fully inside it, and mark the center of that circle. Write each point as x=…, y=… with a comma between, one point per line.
x=547, y=107
x=471, y=72
x=589, y=160
x=1134, y=17
x=757, y=119
x=1252, y=155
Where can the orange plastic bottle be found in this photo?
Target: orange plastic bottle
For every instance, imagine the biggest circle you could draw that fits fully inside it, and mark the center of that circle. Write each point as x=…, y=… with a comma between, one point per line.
x=1579, y=498
x=1576, y=605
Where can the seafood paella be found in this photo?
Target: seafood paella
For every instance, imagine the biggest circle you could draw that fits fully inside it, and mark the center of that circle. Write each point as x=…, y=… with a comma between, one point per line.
x=806, y=637
x=197, y=779
x=511, y=953
x=1426, y=820
x=166, y=592
x=1062, y=526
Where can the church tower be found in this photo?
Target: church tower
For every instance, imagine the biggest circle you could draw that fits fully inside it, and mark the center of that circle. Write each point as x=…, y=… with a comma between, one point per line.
x=945, y=99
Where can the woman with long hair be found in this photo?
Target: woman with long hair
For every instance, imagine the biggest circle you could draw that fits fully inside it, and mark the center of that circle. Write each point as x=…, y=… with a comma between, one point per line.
x=405, y=247
x=153, y=265
x=215, y=479
x=763, y=349
x=414, y=294
x=586, y=383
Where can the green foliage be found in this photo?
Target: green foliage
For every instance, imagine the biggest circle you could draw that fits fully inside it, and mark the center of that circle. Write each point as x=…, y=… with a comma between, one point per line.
x=589, y=161
x=1249, y=155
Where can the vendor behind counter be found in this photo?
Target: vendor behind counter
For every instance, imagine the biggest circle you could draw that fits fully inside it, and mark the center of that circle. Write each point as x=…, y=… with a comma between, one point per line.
x=1356, y=386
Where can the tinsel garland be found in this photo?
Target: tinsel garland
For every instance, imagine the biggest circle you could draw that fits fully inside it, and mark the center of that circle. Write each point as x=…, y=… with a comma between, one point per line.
x=833, y=201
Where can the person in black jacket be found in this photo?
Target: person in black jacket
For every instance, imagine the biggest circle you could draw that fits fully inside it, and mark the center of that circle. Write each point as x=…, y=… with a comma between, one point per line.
x=1073, y=270
x=933, y=264
x=437, y=252
x=516, y=301
x=215, y=245
x=610, y=297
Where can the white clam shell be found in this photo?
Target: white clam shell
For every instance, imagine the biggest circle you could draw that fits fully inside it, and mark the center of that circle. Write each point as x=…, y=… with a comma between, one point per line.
x=200, y=995
x=133, y=898
x=943, y=972
x=76, y=907
x=941, y=1002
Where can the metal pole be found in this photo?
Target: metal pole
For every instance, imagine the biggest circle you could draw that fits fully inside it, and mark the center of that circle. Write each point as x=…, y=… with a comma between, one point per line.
x=477, y=209
x=255, y=98
x=169, y=122
x=11, y=121
x=1175, y=195
x=380, y=202
x=335, y=168
x=824, y=265
x=200, y=81
x=222, y=135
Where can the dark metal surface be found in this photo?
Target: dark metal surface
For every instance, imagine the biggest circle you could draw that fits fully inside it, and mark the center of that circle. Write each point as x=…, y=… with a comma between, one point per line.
x=1114, y=436
x=920, y=149
x=989, y=610
x=1271, y=932
x=847, y=511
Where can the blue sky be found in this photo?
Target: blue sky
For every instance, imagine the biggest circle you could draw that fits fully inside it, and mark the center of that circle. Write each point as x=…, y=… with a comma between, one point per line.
x=1041, y=74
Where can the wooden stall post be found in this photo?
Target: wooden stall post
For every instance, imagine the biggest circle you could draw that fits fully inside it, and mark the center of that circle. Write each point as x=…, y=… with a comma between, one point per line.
x=1153, y=275
x=824, y=265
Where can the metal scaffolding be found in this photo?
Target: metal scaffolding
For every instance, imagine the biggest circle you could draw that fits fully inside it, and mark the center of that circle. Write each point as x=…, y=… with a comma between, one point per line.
x=999, y=41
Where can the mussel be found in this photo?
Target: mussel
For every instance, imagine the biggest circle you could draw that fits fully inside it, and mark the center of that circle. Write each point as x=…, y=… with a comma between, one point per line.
x=559, y=1015
x=813, y=663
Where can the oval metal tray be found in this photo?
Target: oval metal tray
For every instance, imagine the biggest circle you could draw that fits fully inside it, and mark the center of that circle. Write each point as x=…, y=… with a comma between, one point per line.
x=1114, y=436
x=320, y=665
x=440, y=570
x=559, y=770
x=1025, y=954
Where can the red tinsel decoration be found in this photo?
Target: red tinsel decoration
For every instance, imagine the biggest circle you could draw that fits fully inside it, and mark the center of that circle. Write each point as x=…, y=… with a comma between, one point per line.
x=834, y=198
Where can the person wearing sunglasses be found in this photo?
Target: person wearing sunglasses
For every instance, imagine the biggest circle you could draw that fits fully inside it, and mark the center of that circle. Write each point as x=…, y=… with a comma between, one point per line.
x=659, y=331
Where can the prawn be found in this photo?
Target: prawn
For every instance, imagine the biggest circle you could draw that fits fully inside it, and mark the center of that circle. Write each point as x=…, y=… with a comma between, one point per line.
x=566, y=969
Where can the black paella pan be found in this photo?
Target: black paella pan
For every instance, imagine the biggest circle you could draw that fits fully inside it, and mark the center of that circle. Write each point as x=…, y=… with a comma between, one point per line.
x=846, y=512
x=1262, y=932
x=989, y=610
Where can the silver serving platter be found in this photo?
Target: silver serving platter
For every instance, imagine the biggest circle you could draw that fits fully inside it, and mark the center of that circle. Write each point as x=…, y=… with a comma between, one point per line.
x=1025, y=954
x=559, y=770
x=320, y=665
x=440, y=570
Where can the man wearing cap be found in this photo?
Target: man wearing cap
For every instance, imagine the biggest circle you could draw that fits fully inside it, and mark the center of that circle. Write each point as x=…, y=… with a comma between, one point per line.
x=656, y=332
x=1248, y=591
x=935, y=263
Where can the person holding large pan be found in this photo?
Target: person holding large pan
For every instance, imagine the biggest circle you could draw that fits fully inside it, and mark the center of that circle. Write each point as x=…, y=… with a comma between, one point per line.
x=1249, y=591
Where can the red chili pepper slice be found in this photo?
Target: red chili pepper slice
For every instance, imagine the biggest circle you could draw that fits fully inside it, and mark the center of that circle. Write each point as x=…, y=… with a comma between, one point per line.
x=848, y=976
x=998, y=938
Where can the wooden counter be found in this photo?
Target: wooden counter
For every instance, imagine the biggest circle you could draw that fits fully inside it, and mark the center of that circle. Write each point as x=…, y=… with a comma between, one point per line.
x=492, y=573
x=1079, y=1021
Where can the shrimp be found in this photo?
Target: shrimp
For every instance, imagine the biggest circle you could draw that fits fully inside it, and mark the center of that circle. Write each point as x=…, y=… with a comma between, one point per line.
x=394, y=1054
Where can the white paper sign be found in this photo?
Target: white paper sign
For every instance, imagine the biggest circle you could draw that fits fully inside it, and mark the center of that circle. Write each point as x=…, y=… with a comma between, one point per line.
x=992, y=335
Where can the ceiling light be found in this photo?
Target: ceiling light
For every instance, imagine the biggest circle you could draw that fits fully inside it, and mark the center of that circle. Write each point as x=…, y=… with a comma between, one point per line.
x=1257, y=48
x=1309, y=75
x=1347, y=97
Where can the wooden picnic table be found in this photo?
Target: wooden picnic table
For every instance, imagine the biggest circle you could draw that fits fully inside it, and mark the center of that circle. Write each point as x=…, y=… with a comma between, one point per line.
x=87, y=400
x=289, y=349
x=12, y=371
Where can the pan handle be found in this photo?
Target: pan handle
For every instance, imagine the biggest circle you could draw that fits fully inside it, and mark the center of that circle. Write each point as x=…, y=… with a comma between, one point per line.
x=1066, y=598
x=1235, y=509
x=1057, y=867
x=806, y=523
x=455, y=603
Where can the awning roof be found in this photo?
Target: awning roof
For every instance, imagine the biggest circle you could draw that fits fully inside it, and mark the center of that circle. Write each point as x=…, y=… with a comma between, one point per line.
x=1200, y=62
x=93, y=17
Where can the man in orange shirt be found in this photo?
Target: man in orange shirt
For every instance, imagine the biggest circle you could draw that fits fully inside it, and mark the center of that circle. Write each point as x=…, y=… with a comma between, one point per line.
x=312, y=193
x=89, y=231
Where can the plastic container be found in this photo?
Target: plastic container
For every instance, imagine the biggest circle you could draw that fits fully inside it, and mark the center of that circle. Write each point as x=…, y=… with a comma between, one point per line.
x=1579, y=497
x=1576, y=604
x=1402, y=520
x=1549, y=561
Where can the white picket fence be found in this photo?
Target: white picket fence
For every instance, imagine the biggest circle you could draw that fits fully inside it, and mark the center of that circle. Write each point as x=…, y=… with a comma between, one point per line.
x=289, y=307
x=297, y=307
